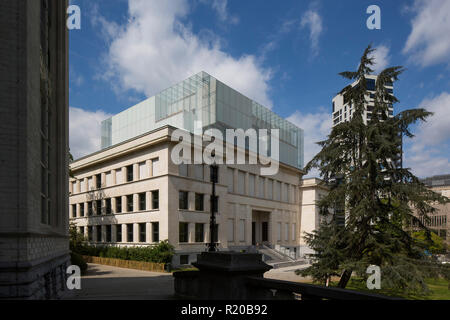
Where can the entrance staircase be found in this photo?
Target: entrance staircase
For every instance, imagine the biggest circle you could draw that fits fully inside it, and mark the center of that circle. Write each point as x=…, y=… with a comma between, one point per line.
x=277, y=259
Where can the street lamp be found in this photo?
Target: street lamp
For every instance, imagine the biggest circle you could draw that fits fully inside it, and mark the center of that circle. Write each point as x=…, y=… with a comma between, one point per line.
x=212, y=245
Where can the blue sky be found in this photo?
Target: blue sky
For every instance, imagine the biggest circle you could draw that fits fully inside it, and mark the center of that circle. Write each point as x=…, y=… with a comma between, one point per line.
x=284, y=54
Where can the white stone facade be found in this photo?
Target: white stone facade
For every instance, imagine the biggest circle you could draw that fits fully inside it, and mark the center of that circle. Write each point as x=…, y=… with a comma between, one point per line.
x=251, y=207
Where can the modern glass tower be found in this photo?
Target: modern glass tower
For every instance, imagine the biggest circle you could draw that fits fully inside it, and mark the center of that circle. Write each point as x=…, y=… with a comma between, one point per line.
x=202, y=99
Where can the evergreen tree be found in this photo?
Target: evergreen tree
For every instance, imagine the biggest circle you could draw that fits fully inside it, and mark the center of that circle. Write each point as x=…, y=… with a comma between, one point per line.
x=378, y=196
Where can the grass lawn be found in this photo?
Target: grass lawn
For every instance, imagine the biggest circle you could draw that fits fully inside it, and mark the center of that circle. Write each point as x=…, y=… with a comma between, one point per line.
x=439, y=290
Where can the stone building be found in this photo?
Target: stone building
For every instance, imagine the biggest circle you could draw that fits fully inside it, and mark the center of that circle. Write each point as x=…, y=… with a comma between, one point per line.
x=34, y=246
x=439, y=220
x=132, y=193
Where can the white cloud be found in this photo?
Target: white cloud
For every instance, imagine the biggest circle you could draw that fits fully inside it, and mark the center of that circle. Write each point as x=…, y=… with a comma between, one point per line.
x=312, y=20
x=316, y=126
x=381, y=56
x=156, y=49
x=222, y=11
x=429, y=40
x=84, y=131
x=428, y=152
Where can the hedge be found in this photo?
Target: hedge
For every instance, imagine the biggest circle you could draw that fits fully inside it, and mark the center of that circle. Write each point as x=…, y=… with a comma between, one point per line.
x=161, y=253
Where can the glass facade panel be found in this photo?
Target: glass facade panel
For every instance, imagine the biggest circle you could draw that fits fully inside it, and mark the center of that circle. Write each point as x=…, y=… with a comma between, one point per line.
x=205, y=100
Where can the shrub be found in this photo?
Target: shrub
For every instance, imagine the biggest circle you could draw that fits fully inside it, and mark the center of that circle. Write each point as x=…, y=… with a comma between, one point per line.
x=77, y=260
x=161, y=253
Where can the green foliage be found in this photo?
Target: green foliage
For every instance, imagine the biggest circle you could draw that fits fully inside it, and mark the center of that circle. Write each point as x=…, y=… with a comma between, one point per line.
x=77, y=240
x=379, y=197
x=161, y=253
x=430, y=241
x=77, y=260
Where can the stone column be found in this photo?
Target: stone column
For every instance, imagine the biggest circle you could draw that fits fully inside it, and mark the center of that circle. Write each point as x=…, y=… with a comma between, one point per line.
x=148, y=201
x=124, y=204
x=191, y=230
x=114, y=233
x=124, y=233
x=191, y=201
x=150, y=167
x=136, y=172
x=135, y=202
x=148, y=233
x=113, y=177
x=135, y=232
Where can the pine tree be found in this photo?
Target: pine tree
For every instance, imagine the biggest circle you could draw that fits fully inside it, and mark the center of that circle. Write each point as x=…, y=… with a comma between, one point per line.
x=377, y=195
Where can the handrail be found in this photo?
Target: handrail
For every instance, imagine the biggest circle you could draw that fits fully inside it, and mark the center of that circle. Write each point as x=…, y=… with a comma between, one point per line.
x=314, y=291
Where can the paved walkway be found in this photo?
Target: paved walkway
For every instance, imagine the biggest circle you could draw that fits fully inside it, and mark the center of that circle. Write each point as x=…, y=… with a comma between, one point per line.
x=286, y=273
x=111, y=283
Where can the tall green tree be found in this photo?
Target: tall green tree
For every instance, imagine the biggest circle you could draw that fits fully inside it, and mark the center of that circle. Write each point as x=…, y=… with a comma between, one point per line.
x=378, y=196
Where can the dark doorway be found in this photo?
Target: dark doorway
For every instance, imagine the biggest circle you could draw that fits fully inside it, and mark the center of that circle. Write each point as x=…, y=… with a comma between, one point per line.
x=265, y=231
x=253, y=233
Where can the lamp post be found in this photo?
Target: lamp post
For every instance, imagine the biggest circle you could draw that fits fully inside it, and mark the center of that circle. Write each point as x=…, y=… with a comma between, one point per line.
x=212, y=245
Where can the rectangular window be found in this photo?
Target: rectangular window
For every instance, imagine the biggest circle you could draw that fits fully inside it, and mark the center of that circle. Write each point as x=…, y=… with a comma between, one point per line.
x=277, y=190
x=74, y=211
x=90, y=184
x=242, y=230
x=241, y=182
x=143, y=170
x=199, y=171
x=183, y=200
x=231, y=230
x=155, y=167
x=286, y=236
x=142, y=202
x=130, y=232
x=142, y=232
x=261, y=187
x=118, y=233
x=82, y=185
x=270, y=189
x=82, y=231
x=293, y=231
x=183, y=170
x=99, y=233
x=199, y=232
x=230, y=176
x=155, y=232
x=279, y=231
x=108, y=233
x=199, y=201
x=130, y=203
x=74, y=187
x=98, y=207
x=108, y=179
x=90, y=233
x=90, y=209
x=81, y=209
x=118, y=204
x=119, y=177
x=130, y=176
x=251, y=185
x=98, y=181
x=155, y=200
x=108, y=207
x=184, y=232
